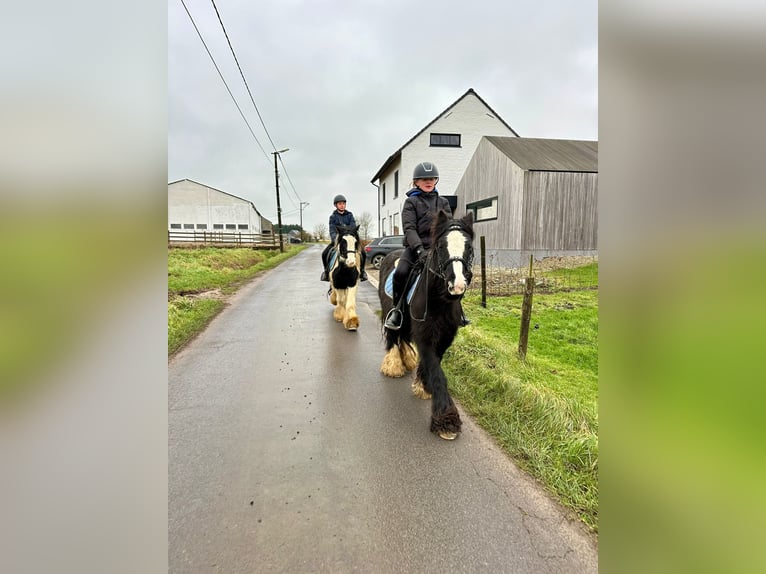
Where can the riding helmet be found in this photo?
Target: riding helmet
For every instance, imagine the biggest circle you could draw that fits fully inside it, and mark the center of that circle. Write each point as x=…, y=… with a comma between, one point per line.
x=338, y=198
x=425, y=169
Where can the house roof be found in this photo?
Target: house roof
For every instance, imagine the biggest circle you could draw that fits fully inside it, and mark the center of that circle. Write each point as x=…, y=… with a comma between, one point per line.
x=536, y=154
x=398, y=153
x=221, y=191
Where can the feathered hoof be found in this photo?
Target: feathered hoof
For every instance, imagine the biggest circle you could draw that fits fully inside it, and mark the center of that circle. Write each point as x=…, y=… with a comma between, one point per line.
x=352, y=324
x=333, y=298
x=409, y=357
x=418, y=390
x=392, y=364
x=447, y=425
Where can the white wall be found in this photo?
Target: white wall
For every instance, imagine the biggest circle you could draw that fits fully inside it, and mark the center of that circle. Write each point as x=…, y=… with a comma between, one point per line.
x=191, y=202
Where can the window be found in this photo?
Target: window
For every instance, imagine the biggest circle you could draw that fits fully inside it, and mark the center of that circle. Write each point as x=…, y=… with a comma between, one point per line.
x=175, y=226
x=231, y=226
x=188, y=226
x=396, y=184
x=383, y=194
x=242, y=226
x=392, y=241
x=202, y=226
x=395, y=230
x=218, y=226
x=484, y=209
x=445, y=140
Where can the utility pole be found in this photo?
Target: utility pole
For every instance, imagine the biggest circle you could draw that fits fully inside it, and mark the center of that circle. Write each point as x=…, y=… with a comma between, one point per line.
x=279, y=206
x=301, y=207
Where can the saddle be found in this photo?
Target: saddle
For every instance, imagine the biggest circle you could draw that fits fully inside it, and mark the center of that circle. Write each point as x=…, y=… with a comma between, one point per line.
x=409, y=287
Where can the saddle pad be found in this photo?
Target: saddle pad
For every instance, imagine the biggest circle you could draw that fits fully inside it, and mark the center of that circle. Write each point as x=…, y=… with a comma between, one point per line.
x=389, y=286
x=333, y=257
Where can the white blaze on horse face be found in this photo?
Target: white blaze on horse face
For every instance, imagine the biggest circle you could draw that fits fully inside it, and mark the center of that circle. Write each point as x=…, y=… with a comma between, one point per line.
x=350, y=251
x=456, y=248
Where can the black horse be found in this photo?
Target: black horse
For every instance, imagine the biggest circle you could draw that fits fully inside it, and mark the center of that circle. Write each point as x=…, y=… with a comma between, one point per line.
x=432, y=317
x=346, y=259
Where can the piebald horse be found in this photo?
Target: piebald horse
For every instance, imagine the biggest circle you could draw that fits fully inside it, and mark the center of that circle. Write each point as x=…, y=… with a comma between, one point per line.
x=346, y=259
x=431, y=318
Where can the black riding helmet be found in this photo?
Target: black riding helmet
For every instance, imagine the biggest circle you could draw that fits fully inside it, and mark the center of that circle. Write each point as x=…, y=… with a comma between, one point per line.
x=425, y=169
x=339, y=198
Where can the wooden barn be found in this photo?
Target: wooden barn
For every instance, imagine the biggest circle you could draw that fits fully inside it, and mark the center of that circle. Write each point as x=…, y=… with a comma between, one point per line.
x=532, y=196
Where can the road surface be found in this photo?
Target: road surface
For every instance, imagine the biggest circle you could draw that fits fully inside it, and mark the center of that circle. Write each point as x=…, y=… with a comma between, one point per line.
x=290, y=452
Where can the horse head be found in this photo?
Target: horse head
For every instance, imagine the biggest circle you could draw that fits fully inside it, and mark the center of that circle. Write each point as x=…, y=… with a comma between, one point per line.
x=348, y=244
x=452, y=252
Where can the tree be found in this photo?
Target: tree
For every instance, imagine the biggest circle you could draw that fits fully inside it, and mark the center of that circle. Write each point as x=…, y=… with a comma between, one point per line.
x=364, y=222
x=320, y=231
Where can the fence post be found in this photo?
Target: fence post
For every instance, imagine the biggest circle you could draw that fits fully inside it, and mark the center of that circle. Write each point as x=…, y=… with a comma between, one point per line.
x=483, y=273
x=526, y=312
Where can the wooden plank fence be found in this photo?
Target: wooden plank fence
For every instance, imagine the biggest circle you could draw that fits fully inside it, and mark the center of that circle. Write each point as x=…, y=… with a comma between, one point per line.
x=223, y=239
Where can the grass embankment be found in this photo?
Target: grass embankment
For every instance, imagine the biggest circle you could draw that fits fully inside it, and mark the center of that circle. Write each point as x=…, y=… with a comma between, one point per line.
x=199, y=280
x=542, y=411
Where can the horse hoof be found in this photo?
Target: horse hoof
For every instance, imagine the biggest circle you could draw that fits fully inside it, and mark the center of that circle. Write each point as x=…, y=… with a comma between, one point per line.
x=419, y=391
x=448, y=435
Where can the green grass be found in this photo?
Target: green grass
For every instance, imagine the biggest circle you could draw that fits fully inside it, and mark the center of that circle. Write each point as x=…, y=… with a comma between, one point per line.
x=543, y=411
x=220, y=271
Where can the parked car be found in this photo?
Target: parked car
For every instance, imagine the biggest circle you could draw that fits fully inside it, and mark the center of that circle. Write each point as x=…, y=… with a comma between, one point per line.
x=379, y=247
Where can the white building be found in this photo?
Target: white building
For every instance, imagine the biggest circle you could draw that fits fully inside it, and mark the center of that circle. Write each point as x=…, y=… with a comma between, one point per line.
x=449, y=141
x=194, y=206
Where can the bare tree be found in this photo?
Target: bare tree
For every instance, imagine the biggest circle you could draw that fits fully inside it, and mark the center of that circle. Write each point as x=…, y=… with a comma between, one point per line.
x=364, y=222
x=320, y=231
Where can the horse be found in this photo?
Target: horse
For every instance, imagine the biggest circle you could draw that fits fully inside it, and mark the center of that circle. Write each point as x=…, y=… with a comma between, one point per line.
x=431, y=318
x=345, y=260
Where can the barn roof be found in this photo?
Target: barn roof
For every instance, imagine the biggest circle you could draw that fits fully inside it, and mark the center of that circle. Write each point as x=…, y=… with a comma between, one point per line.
x=221, y=191
x=398, y=153
x=536, y=154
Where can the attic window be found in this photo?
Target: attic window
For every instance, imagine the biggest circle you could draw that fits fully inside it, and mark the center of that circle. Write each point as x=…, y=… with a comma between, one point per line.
x=445, y=140
x=484, y=209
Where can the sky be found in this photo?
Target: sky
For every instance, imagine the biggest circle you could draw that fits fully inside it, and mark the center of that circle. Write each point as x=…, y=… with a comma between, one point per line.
x=344, y=84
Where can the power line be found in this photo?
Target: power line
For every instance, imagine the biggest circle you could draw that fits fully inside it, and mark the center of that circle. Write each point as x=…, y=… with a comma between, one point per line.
x=252, y=99
x=224, y=82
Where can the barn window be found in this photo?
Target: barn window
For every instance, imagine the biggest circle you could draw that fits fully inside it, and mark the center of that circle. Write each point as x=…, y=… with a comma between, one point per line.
x=202, y=226
x=242, y=226
x=175, y=226
x=231, y=226
x=188, y=226
x=218, y=226
x=445, y=140
x=484, y=209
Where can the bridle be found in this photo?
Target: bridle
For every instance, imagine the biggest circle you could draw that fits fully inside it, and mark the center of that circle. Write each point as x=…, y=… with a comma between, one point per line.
x=441, y=266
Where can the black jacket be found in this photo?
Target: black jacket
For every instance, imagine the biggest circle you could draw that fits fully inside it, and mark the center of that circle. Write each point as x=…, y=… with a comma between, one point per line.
x=418, y=212
x=336, y=219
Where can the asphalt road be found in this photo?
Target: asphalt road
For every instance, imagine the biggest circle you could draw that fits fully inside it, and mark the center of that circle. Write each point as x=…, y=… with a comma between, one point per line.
x=290, y=452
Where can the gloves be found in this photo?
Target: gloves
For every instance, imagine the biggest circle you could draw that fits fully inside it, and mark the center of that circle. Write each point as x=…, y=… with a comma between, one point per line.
x=422, y=254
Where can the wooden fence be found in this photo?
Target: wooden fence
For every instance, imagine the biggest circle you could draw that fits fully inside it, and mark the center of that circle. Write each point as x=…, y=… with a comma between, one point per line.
x=224, y=239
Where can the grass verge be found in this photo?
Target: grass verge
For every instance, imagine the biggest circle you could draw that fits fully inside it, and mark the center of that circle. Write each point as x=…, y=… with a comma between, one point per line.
x=199, y=281
x=542, y=411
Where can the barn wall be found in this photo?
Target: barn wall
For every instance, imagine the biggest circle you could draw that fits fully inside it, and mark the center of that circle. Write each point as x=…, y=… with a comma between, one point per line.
x=560, y=211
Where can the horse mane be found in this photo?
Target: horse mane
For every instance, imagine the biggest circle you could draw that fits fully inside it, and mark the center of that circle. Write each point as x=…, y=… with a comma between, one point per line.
x=348, y=230
x=442, y=222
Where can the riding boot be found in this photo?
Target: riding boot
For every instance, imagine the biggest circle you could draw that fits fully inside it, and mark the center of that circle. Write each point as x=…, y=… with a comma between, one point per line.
x=324, y=276
x=362, y=272
x=394, y=317
x=464, y=321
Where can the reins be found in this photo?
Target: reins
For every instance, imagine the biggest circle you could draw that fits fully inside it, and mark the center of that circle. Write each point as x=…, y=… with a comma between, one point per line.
x=440, y=270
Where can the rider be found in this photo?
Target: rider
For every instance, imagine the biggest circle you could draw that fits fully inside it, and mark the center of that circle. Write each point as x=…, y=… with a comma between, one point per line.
x=340, y=217
x=421, y=206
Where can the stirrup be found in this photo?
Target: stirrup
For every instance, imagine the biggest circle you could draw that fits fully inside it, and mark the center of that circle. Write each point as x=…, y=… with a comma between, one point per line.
x=390, y=324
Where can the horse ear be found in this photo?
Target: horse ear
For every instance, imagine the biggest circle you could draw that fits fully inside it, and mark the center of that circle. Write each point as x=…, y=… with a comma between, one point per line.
x=468, y=219
x=441, y=217
x=356, y=229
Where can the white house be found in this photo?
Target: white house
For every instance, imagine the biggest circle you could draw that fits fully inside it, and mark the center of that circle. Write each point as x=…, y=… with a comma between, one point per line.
x=193, y=206
x=449, y=141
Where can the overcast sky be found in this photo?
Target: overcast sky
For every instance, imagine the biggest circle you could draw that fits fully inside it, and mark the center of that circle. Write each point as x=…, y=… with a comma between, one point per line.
x=343, y=84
